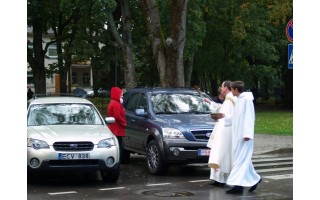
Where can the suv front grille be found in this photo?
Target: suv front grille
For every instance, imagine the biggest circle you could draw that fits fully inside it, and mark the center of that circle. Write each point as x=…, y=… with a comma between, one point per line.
x=202, y=134
x=73, y=146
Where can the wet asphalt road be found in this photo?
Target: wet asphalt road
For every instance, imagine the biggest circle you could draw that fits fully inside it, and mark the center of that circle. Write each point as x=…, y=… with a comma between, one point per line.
x=187, y=182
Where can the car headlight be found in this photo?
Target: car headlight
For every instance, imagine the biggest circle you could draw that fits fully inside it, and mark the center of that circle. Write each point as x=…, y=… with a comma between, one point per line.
x=172, y=133
x=106, y=143
x=37, y=144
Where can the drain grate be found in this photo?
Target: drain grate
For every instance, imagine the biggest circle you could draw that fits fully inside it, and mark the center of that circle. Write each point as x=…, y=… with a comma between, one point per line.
x=167, y=193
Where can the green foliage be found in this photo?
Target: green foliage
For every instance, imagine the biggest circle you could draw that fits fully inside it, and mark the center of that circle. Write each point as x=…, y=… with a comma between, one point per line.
x=245, y=41
x=231, y=39
x=196, y=27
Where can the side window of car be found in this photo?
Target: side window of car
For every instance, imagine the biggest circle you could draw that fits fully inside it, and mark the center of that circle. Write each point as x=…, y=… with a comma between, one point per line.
x=132, y=102
x=143, y=102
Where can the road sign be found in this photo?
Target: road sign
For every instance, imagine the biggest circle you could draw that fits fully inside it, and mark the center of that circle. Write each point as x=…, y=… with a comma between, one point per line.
x=289, y=31
x=290, y=56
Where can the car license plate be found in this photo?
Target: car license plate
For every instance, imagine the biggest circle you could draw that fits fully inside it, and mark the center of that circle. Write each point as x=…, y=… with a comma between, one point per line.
x=203, y=152
x=73, y=156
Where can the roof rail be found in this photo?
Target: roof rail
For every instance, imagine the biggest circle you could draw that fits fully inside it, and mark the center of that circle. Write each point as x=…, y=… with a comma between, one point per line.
x=35, y=96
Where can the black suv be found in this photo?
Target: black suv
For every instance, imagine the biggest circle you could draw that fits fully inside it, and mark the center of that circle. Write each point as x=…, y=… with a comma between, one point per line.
x=168, y=125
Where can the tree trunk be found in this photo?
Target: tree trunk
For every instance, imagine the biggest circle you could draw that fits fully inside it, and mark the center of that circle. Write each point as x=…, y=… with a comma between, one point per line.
x=168, y=54
x=67, y=75
x=61, y=65
x=37, y=66
x=127, y=53
x=125, y=43
x=188, y=70
x=175, y=69
x=155, y=34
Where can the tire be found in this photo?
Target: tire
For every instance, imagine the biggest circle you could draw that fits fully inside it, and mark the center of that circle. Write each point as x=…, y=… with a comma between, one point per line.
x=30, y=176
x=155, y=163
x=110, y=176
x=125, y=156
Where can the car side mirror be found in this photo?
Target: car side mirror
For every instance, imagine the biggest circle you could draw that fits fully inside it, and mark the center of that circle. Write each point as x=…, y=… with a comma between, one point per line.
x=109, y=120
x=140, y=112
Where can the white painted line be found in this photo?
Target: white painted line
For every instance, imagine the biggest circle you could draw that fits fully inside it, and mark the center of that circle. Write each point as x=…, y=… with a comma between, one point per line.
x=150, y=185
x=272, y=164
x=196, y=181
x=117, y=188
x=274, y=170
x=263, y=156
x=270, y=159
x=278, y=177
x=57, y=193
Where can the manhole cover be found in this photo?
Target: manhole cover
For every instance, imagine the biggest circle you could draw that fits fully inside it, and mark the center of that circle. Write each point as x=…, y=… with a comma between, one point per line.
x=167, y=193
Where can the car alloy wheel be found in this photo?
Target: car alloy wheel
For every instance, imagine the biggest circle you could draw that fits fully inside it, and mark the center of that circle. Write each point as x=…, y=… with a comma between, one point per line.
x=155, y=162
x=153, y=157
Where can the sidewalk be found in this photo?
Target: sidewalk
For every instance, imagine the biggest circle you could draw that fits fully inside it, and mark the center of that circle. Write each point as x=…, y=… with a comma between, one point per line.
x=264, y=144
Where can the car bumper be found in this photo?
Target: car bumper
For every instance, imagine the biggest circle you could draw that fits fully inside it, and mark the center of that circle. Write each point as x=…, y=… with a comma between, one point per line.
x=48, y=159
x=185, y=152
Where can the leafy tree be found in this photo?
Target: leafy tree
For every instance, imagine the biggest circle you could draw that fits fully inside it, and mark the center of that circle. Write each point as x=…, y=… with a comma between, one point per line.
x=244, y=41
x=37, y=16
x=70, y=22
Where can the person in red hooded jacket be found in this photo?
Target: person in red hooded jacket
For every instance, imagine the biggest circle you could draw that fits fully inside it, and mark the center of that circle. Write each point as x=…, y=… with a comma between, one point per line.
x=116, y=110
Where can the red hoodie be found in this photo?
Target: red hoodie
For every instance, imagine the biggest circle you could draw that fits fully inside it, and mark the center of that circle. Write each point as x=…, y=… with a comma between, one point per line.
x=116, y=110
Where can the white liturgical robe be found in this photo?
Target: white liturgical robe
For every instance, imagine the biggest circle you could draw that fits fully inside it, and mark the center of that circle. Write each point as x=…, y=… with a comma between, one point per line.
x=242, y=121
x=220, y=154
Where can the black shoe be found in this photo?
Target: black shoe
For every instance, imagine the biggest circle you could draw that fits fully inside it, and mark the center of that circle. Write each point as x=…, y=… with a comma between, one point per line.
x=255, y=186
x=217, y=184
x=235, y=190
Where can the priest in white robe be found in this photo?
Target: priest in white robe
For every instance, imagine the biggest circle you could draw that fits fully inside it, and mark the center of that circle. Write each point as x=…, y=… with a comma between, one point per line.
x=221, y=140
x=242, y=122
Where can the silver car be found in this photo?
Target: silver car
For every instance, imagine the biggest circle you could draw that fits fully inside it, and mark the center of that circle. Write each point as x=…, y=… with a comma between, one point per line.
x=69, y=133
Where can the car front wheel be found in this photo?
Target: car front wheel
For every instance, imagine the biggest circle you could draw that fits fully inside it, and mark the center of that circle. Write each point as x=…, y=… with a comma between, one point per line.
x=110, y=176
x=155, y=162
x=125, y=156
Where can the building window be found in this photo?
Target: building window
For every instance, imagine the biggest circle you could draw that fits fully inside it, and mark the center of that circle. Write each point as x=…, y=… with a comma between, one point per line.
x=74, y=78
x=86, y=78
x=52, y=51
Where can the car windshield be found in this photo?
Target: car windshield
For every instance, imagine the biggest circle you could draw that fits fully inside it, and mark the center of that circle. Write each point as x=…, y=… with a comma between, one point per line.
x=179, y=103
x=59, y=114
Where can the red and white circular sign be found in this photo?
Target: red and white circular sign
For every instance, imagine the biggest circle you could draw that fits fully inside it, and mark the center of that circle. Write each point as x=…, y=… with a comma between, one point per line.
x=289, y=31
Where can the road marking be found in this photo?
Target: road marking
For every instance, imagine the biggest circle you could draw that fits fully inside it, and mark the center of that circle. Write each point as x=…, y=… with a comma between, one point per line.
x=278, y=177
x=271, y=159
x=117, y=188
x=273, y=164
x=57, y=193
x=196, y=181
x=150, y=185
x=274, y=170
